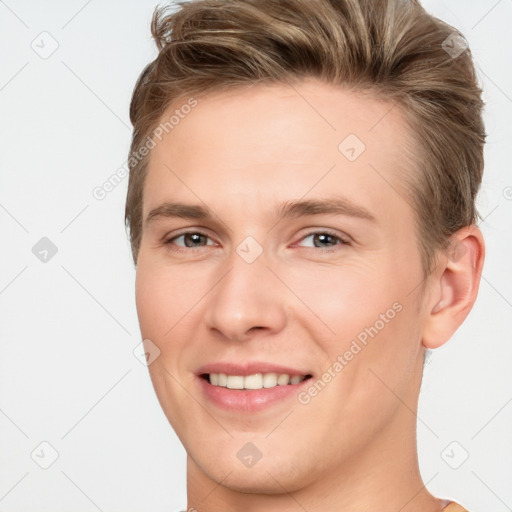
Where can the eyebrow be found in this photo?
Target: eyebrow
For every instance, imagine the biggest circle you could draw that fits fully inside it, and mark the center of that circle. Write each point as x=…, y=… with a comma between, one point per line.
x=289, y=209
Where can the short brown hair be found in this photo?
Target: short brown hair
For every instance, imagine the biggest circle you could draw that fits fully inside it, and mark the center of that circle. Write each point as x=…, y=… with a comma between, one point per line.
x=393, y=49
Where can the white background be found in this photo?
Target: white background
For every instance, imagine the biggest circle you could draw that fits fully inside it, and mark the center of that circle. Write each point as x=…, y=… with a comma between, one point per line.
x=68, y=327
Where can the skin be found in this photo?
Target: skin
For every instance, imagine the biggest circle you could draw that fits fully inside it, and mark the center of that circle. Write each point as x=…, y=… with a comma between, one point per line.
x=301, y=303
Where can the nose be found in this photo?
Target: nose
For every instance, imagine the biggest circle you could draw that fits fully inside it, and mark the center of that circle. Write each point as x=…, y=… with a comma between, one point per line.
x=246, y=300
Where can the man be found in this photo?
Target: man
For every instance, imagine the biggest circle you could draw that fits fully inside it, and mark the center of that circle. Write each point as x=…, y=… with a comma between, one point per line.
x=301, y=207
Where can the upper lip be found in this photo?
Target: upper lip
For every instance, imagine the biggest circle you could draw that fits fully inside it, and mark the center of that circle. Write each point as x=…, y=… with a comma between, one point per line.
x=249, y=368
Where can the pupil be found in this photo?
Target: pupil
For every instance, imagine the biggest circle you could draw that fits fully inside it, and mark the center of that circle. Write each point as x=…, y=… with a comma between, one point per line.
x=324, y=238
x=195, y=238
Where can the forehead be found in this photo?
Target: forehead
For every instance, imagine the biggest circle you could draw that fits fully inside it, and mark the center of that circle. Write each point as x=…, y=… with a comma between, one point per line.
x=280, y=141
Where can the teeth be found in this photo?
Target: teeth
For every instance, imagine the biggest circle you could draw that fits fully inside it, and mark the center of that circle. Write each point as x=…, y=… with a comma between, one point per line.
x=255, y=381
x=283, y=379
x=269, y=380
x=235, y=382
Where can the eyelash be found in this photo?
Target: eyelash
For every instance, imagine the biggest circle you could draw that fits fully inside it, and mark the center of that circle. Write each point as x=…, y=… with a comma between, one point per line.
x=342, y=240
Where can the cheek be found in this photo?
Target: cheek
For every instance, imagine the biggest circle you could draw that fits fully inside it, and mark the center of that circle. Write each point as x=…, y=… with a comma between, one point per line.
x=342, y=302
x=162, y=301
x=162, y=298
x=368, y=320
x=148, y=293
x=373, y=360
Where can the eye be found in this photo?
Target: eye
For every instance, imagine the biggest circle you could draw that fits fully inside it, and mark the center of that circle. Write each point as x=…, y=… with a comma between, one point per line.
x=325, y=239
x=189, y=239
x=196, y=239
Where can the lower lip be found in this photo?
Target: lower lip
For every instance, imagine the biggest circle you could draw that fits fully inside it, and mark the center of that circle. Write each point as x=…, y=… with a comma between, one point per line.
x=243, y=400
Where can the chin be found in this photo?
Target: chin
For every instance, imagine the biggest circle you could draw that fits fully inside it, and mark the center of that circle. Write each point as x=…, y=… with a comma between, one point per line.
x=269, y=475
x=253, y=481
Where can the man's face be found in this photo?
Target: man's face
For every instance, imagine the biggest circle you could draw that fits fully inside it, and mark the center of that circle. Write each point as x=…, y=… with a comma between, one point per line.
x=315, y=293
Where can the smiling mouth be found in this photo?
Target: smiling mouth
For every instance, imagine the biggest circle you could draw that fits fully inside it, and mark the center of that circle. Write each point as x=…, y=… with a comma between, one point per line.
x=254, y=381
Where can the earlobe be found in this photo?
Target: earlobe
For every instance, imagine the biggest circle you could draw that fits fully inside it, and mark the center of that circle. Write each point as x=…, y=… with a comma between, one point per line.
x=455, y=288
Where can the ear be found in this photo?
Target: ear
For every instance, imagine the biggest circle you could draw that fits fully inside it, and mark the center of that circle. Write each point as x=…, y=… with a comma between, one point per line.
x=454, y=286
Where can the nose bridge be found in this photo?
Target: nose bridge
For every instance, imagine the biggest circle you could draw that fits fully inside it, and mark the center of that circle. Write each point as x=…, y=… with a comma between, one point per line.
x=247, y=296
